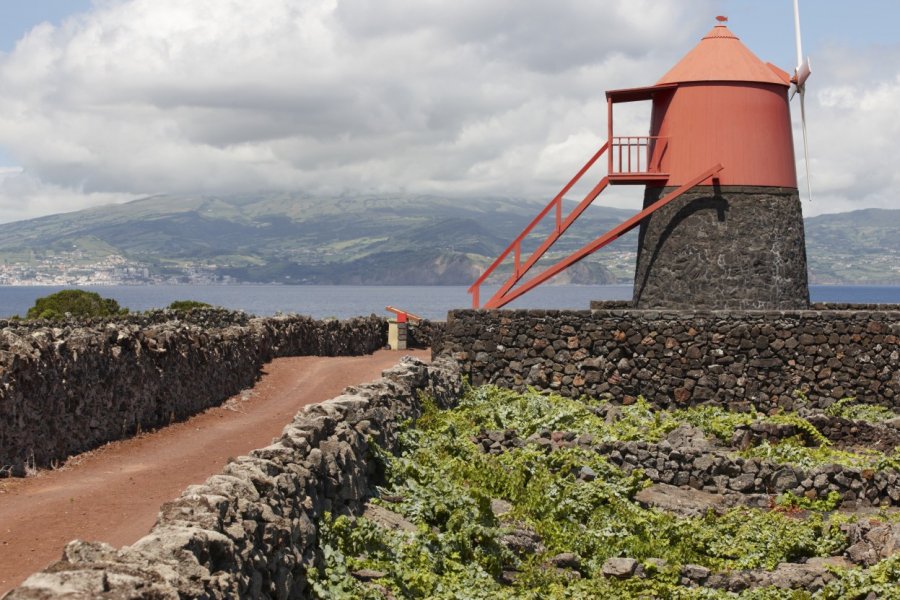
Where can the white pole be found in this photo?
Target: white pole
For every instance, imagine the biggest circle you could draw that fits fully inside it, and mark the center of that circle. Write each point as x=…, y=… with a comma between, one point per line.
x=797, y=34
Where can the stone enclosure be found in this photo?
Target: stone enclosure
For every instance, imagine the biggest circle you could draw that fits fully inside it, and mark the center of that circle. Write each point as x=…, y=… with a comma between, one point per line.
x=70, y=387
x=250, y=531
x=737, y=358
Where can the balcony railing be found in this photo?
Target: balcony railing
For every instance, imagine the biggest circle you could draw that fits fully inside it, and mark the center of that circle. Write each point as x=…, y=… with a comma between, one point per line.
x=636, y=155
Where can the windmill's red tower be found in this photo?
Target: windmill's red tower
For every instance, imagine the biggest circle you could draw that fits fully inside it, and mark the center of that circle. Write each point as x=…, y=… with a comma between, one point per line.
x=720, y=103
x=740, y=243
x=722, y=225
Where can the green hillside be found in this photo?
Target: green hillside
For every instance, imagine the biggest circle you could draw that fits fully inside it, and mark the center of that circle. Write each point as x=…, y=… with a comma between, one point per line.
x=293, y=238
x=383, y=239
x=862, y=246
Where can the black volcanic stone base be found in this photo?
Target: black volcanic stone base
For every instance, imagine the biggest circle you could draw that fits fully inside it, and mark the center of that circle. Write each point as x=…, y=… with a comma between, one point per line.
x=723, y=248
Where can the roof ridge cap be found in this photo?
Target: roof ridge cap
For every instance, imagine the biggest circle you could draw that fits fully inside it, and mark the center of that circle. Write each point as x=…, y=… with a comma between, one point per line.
x=720, y=32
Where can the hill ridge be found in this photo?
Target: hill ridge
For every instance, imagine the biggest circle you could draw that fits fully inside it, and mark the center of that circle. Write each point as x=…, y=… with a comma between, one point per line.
x=409, y=239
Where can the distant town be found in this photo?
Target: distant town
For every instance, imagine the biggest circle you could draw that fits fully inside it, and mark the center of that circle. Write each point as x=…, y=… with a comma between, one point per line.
x=73, y=269
x=69, y=268
x=77, y=268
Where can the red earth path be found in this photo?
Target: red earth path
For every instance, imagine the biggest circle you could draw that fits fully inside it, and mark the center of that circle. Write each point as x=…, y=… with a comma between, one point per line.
x=113, y=494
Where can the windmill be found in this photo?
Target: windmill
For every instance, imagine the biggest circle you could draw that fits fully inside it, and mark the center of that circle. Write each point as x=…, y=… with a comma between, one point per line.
x=722, y=225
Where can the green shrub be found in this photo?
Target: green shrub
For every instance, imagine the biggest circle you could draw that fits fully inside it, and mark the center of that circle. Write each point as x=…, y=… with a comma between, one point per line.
x=185, y=305
x=77, y=303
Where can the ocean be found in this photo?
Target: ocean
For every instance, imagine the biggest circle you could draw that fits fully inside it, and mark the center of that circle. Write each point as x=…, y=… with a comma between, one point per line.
x=322, y=301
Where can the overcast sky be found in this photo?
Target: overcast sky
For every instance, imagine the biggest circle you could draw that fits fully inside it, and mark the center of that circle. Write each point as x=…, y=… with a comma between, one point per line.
x=110, y=100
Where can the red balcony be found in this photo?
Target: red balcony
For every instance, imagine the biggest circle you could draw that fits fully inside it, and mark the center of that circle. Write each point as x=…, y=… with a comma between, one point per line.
x=635, y=160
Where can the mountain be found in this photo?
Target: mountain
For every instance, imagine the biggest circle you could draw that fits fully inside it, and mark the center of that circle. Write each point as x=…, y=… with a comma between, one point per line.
x=861, y=246
x=294, y=238
x=366, y=239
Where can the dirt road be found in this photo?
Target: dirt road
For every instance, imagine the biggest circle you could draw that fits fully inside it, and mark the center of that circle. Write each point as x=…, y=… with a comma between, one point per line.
x=113, y=493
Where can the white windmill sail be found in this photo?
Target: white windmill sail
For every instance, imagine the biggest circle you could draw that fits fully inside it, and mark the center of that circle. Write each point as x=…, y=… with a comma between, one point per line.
x=801, y=74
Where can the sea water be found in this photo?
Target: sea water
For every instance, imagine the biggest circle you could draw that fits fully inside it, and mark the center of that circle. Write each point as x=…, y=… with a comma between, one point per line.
x=342, y=301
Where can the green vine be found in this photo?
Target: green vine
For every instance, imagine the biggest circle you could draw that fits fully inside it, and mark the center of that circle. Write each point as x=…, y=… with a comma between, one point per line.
x=849, y=408
x=803, y=425
x=794, y=451
x=444, y=484
x=791, y=501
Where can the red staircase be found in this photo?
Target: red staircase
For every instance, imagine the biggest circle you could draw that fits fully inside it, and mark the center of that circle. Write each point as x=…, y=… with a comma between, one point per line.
x=633, y=160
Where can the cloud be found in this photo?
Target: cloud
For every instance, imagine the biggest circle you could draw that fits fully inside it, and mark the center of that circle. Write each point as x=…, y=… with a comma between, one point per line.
x=23, y=196
x=502, y=97
x=853, y=130
x=146, y=96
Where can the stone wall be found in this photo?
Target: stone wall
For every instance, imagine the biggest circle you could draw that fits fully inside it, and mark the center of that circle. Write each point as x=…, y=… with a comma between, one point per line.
x=735, y=247
x=688, y=458
x=424, y=334
x=685, y=357
x=720, y=472
x=69, y=387
x=251, y=531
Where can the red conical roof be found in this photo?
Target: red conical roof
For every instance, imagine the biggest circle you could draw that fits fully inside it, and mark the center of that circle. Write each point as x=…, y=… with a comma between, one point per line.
x=720, y=56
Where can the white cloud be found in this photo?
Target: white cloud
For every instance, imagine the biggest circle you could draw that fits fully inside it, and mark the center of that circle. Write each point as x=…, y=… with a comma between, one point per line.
x=502, y=97
x=23, y=196
x=853, y=130
x=145, y=96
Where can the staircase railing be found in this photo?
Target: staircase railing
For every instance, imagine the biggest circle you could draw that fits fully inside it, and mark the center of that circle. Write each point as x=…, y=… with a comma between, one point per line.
x=506, y=294
x=555, y=205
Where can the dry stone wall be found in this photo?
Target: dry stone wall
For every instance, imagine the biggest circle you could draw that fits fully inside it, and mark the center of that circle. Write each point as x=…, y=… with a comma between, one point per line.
x=720, y=472
x=687, y=458
x=69, y=387
x=736, y=358
x=251, y=531
x=424, y=333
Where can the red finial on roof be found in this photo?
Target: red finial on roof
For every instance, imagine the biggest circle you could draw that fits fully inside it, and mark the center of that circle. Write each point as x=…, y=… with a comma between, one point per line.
x=722, y=19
